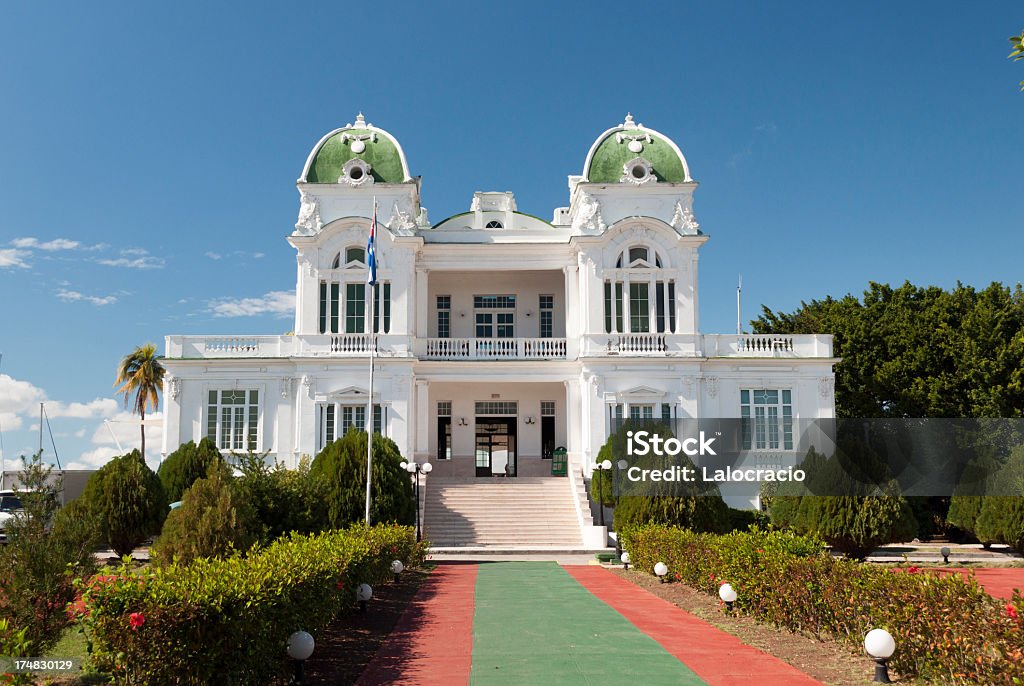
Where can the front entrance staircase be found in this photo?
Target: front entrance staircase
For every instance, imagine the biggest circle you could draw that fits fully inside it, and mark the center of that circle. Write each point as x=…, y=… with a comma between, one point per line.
x=519, y=513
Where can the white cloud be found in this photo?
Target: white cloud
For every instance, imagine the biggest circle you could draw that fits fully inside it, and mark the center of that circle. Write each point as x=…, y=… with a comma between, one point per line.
x=280, y=303
x=55, y=244
x=135, y=258
x=18, y=397
x=75, y=296
x=258, y=255
x=10, y=257
x=9, y=421
x=212, y=255
x=100, y=407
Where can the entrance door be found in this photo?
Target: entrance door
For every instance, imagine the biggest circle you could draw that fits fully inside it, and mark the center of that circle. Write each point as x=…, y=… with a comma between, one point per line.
x=495, y=446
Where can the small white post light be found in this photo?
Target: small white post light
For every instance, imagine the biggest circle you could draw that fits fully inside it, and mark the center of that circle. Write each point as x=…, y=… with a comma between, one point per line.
x=426, y=467
x=363, y=595
x=945, y=554
x=879, y=644
x=397, y=568
x=625, y=560
x=300, y=647
x=661, y=569
x=727, y=593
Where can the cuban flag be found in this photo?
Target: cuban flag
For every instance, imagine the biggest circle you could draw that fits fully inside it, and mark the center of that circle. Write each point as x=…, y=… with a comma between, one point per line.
x=371, y=249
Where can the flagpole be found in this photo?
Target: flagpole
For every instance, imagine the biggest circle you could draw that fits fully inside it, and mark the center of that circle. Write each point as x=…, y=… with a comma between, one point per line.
x=371, y=285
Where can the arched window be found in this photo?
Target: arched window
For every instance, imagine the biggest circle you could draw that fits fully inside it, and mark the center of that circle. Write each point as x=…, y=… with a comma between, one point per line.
x=638, y=300
x=494, y=224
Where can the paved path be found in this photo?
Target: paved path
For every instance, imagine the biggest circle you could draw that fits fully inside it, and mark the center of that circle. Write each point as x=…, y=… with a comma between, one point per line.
x=538, y=623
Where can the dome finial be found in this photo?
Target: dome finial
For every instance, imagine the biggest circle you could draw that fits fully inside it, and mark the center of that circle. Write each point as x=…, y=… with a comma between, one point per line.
x=628, y=124
x=360, y=122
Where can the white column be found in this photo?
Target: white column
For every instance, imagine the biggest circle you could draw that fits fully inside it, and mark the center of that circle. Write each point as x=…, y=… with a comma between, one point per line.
x=422, y=411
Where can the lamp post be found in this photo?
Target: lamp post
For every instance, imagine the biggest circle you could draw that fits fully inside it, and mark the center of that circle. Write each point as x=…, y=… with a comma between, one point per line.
x=396, y=568
x=728, y=594
x=363, y=595
x=417, y=468
x=604, y=467
x=300, y=647
x=945, y=554
x=879, y=644
x=625, y=560
x=661, y=569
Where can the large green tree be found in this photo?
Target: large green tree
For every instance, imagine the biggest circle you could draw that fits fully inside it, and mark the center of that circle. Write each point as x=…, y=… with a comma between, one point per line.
x=141, y=378
x=919, y=351
x=1018, y=50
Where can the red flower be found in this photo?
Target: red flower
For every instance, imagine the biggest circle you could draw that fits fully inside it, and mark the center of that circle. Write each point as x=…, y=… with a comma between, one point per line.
x=341, y=584
x=1011, y=610
x=712, y=577
x=913, y=570
x=135, y=620
x=722, y=582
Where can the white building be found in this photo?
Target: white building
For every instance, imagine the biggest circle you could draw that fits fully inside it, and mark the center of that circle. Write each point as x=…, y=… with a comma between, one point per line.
x=500, y=336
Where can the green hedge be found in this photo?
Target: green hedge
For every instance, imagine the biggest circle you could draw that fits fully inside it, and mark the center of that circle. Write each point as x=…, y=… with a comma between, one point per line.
x=228, y=621
x=946, y=627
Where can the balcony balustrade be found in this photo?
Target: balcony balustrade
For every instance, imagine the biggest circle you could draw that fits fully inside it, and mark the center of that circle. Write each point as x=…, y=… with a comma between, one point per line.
x=496, y=349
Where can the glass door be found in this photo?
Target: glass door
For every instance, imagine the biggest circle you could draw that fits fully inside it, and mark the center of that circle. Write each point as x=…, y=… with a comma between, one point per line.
x=495, y=447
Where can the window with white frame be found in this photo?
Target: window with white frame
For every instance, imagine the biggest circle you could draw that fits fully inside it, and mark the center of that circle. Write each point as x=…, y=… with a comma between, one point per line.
x=767, y=419
x=495, y=316
x=232, y=418
x=337, y=419
x=444, y=316
x=547, y=316
x=343, y=297
x=639, y=299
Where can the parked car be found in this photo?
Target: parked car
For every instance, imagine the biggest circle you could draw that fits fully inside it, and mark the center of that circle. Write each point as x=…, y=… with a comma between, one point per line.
x=10, y=505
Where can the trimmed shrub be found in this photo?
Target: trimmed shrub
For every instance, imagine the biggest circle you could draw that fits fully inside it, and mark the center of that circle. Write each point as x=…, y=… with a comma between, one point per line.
x=186, y=465
x=946, y=627
x=40, y=562
x=129, y=501
x=227, y=621
x=1002, y=521
x=214, y=520
x=696, y=506
x=341, y=467
x=284, y=500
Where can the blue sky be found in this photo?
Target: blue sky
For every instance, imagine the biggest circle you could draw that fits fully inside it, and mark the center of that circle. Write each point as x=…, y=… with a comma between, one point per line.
x=149, y=154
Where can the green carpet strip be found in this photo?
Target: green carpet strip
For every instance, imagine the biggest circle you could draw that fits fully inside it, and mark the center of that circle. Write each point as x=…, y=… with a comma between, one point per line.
x=534, y=624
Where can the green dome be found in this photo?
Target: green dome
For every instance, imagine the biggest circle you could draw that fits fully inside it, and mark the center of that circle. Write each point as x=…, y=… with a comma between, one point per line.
x=612, y=151
x=375, y=146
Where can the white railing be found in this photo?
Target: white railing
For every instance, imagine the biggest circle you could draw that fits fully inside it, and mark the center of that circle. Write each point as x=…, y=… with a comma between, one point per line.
x=495, y=348
x=642, y=343
x=227, y=346
x=351, y=343
x=768, y=345
x=231, y=346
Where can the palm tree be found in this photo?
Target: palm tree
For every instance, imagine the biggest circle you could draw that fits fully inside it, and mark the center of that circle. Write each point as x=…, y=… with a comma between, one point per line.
x=141, y=377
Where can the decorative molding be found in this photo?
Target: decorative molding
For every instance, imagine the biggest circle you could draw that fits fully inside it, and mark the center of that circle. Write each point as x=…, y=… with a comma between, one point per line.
x=421, y=219
x=588, y=217
x=637, y=171
x=307, y=381
x=400, y=222
x=352, y=177
x=174, y=387
x=635, y=142
x=826, y=386
x=684, y=222
x=711, y=384
x=303, y=259
x=308, y=222
x=286, y=387
x=688, y=383
x=475, y=205
x=358, y=141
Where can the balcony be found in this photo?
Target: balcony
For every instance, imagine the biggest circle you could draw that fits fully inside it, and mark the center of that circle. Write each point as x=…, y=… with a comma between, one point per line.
x=496, y=349
x=334, y=345
x=709, y=345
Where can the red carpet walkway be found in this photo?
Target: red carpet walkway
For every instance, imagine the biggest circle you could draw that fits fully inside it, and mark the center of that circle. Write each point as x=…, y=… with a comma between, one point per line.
x=433, y=640
x=432, y=644
x=999, y=582
x=718, y=658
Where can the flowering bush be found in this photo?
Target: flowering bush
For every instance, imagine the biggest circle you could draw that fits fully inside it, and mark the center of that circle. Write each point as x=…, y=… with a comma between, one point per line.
x=227, y=621
x=946, y=627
